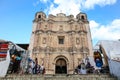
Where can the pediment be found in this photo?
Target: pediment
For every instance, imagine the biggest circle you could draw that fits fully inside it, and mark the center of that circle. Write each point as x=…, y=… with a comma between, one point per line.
x=71, y=21
x=51, y=21
x=61, y=15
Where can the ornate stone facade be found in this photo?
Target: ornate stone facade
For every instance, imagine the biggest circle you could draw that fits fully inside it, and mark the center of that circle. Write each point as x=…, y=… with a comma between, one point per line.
x=60, y=42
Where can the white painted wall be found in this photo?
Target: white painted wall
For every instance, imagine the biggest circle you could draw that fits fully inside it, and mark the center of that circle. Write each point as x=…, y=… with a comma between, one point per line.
x=114, y=68
x=4, y=65
x=112, y=50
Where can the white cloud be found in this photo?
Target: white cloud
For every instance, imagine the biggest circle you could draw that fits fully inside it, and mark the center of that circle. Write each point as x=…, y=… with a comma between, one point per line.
x=39, y=1
x=105, y=32
x=93, y=24
x=65, y=6
x=72, y=6
x=75, y=6
x=90, y=4
x=44, y=1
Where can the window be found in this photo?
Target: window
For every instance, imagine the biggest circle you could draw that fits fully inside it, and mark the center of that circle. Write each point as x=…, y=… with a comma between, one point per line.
x=82, y=17
x=61, y=39
x=39, y=16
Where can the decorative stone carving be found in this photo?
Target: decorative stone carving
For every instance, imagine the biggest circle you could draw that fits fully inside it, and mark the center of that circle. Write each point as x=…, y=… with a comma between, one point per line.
x=47, y=44
x=84, y=49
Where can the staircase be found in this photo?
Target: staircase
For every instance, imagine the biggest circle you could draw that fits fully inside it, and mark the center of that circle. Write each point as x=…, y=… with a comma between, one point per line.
x=60, y=77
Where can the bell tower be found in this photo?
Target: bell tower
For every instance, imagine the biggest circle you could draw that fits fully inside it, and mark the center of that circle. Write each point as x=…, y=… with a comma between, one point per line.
x=85, y=31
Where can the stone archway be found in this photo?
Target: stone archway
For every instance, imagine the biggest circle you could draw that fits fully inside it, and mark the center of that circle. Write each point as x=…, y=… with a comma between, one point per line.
x=61, y=66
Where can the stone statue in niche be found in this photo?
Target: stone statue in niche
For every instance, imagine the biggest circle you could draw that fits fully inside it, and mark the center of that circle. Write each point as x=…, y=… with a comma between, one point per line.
x=61, y=28
x=44, y=40
x=77, y=41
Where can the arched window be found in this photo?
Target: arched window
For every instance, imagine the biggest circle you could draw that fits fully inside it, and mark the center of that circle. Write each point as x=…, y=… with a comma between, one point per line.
x=39, y=16
x=82, y=17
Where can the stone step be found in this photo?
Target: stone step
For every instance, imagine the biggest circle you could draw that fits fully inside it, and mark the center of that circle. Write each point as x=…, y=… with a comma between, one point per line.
x=60, y=77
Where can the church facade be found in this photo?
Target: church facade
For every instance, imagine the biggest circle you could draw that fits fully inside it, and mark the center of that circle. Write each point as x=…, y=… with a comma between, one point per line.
x=60, y=42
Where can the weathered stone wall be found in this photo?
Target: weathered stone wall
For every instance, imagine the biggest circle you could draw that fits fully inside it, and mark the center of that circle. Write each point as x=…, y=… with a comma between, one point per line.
x=47, y=33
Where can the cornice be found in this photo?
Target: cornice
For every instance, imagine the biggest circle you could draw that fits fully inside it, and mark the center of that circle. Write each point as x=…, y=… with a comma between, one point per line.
x=59, y=50
x=60, y=32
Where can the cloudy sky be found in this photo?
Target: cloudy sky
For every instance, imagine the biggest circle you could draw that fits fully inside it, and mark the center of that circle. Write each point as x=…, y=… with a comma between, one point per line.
x=16, y=17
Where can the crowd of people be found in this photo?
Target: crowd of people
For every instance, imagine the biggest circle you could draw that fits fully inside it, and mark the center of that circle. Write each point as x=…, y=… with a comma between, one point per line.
x=83, y=68
x=32, y=67
x=35, y=68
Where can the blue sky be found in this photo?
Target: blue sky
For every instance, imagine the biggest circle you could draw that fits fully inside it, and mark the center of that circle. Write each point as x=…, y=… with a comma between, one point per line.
x=16, y=17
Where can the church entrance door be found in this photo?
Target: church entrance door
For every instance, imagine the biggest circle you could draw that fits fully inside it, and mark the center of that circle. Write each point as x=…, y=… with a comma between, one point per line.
x=61, y=66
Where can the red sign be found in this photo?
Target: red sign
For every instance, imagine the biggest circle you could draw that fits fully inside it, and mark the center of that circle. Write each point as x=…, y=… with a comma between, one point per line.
x=3, y=50
x=4, y=46
x=3, y=55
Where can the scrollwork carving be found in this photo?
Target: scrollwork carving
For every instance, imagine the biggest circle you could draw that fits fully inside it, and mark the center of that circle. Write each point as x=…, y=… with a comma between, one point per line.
x=84, y=49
